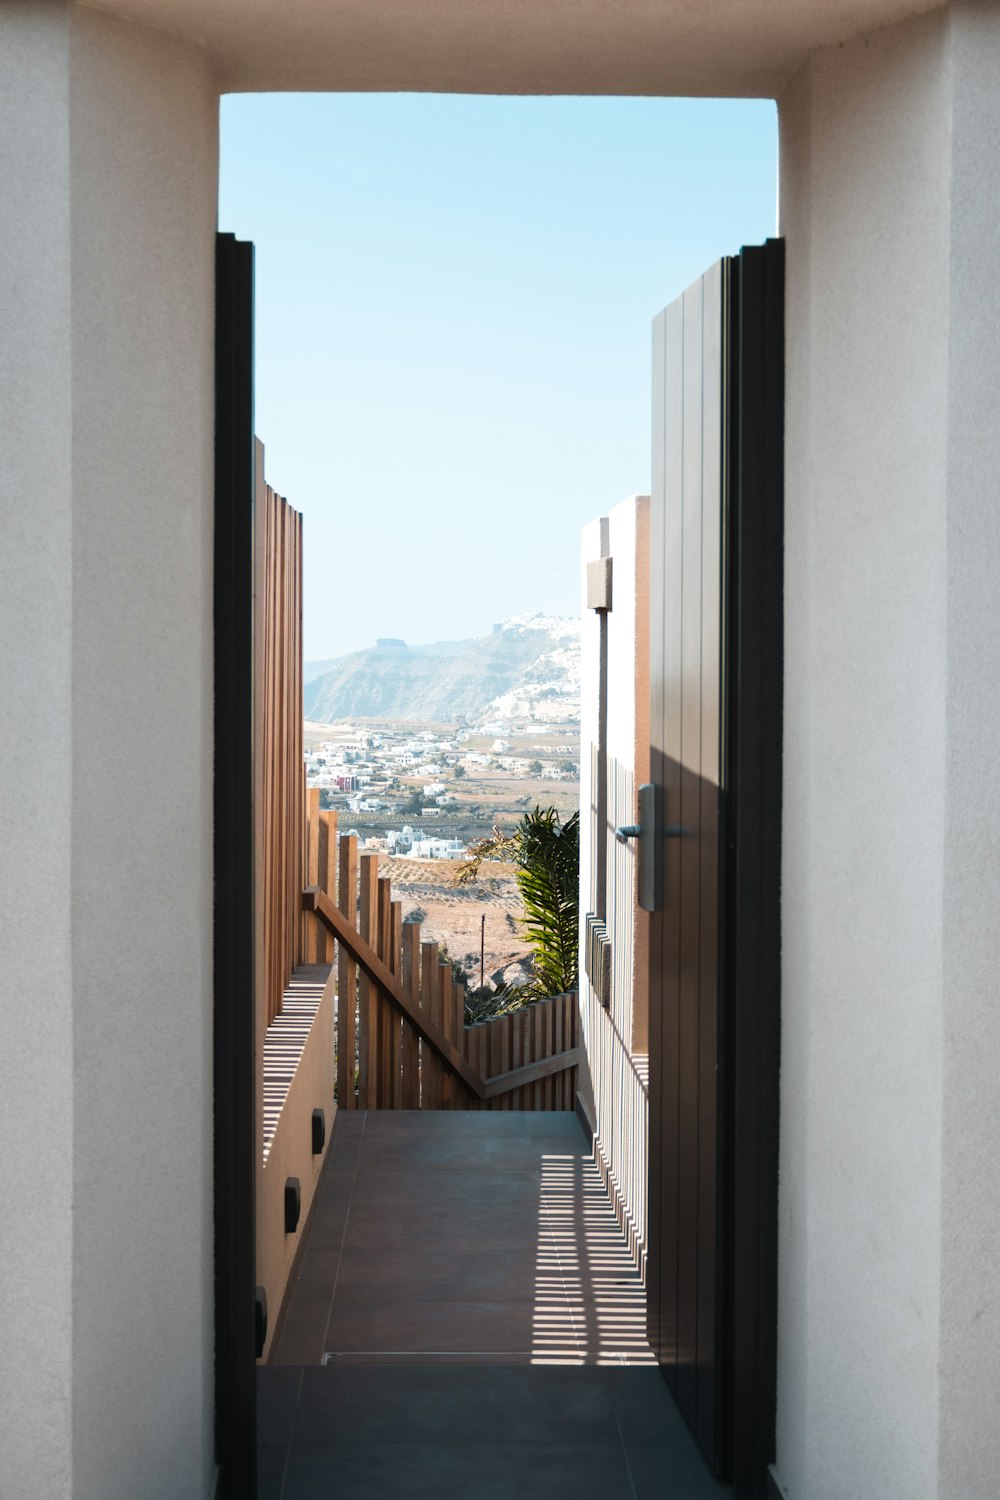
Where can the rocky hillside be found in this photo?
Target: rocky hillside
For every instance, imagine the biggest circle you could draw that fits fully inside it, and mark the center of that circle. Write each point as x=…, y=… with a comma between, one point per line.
x=527, y=668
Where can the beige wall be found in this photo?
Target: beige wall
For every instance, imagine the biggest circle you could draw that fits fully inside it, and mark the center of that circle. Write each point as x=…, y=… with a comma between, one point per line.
x=889, y=1331
x=714, y=48
x=36, y=675
x=290, y=1155
x=612, y=1082
x=889, y=1339
x=108, y=167
x=969, y=1356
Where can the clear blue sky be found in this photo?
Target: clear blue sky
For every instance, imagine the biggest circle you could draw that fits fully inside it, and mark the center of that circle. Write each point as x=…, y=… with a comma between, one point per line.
x=454, y=297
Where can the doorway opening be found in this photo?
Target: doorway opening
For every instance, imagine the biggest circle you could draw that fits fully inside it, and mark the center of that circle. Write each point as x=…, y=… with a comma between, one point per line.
x=478, y=519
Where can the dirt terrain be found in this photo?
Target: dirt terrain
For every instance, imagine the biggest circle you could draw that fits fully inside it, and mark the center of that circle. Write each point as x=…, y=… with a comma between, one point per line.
x=453, y=914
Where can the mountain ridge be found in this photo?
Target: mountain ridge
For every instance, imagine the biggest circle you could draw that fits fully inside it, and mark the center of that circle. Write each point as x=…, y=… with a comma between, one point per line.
x=526, y=668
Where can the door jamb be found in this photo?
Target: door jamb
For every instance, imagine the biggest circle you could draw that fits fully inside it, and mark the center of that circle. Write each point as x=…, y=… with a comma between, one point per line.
x=233, y=863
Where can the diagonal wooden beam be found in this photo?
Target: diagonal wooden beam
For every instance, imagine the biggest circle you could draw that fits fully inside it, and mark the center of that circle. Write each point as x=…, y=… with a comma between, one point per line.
x=531, y=1073
x=319, y=903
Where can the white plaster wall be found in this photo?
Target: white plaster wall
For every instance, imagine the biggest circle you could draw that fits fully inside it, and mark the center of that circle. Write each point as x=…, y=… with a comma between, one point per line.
x=889, y=1330
x=36, y=1097
x=969, y=1401
x=710, y=47
x=143, y=170
x=109, y=152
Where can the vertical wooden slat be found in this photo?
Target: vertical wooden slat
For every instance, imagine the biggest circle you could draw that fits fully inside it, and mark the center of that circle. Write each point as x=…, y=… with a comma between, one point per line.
x=368, y=992
x=385, y=1011
x=445, y=986
x=326, y=879
x=347, y=977
x=505, y=1057
x=557, y=1046
x=431, y=1072
x=573, y=1030
x=469, y=1049
x=411, y=1050
x=444, y=991
x=482, y=1056
x=529, y=1054
x=322, y=880
x=278, y=794
x=396, y=1030
x=465, y=1098
x=516, y=1056
x=310, y=925
x=538, y=1048
x=568, y=1090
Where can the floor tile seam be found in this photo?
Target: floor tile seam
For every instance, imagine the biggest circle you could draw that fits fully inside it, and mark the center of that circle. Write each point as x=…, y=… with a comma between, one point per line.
x=379, y=1299
x=291, y=1434
x=343, y=1237
x=373, y=1169
x=624, y=1449
x=447, y=1444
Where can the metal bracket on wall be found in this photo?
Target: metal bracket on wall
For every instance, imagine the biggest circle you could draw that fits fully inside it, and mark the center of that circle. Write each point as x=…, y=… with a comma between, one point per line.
x=599, y=583
x=597, y=957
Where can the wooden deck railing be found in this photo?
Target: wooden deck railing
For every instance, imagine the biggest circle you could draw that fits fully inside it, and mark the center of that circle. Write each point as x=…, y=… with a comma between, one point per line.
x=279, y=782
x=402, y=1042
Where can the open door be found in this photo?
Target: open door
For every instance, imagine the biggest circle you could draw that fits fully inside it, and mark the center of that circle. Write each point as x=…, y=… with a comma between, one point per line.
x=711, y=835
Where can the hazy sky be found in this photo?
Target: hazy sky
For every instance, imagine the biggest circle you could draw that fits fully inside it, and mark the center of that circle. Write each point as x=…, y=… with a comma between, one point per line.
x=454, y=298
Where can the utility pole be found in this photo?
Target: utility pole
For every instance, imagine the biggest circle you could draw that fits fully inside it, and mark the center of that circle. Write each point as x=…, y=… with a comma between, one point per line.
x=482, y=952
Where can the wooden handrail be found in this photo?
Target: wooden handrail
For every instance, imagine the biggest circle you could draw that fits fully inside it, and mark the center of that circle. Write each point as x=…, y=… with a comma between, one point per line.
x=318, y=902
x=530, y=1073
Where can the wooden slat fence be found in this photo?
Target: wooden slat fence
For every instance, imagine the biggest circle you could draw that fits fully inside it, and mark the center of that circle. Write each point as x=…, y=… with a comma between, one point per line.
x=295, y=842
x=402, y=1042
x=279, y=785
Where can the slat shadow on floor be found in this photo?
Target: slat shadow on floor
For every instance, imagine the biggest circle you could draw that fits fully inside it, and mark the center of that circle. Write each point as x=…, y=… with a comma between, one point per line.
x=467, y=1322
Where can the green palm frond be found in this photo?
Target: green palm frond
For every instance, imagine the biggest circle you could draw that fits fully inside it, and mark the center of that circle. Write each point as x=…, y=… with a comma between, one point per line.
x=546, y=854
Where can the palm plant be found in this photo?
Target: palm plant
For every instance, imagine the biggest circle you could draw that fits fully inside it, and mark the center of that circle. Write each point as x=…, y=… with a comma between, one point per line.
x=546, y=856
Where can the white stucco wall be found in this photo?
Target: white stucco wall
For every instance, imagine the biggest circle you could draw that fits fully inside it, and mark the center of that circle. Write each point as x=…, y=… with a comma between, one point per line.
x=889, y=1343
x=36, y=1118
x=106, y=394
x=969, y=1360
x=613, y=1080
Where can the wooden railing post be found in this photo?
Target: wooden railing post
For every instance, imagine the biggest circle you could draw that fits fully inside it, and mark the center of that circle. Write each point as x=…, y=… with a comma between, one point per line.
x=347, y=977
x=430, y=1069
x=367, y=989
x=397, y=1025
x=325, y=877
x=411, y=1042
x=407, y=991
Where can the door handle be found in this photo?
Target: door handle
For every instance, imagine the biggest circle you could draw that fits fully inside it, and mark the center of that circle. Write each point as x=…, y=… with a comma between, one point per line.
x=650, y=832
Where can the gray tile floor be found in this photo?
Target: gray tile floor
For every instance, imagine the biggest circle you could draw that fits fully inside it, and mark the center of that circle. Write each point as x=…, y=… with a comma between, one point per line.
x=467, y=1323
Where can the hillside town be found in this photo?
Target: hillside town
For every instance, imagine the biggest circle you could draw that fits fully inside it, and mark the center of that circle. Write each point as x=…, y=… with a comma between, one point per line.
x=424, y=792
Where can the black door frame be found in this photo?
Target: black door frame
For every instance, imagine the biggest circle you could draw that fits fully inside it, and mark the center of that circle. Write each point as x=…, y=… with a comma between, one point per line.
x=750, y=1019
x=233, y=857
x=750, y=1053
